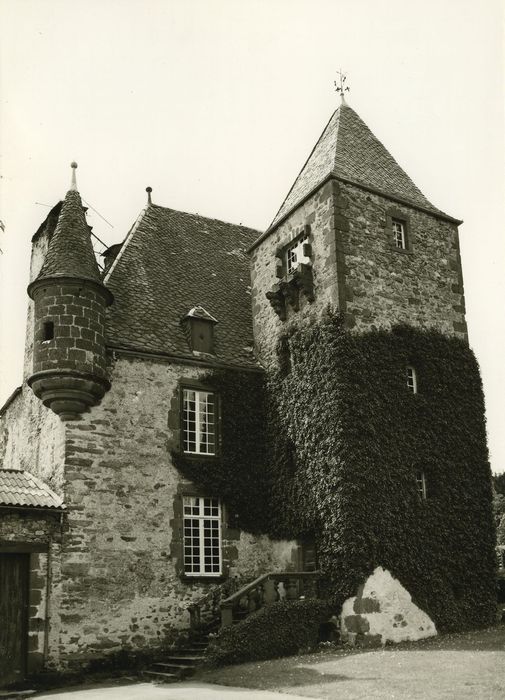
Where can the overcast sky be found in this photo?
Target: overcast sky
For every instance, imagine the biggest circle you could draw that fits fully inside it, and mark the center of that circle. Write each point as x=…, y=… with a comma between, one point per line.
x=216, y=105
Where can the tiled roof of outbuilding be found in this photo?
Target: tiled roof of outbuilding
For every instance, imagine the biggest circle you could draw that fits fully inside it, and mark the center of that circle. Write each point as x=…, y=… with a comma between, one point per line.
x=70, y=252
x=171, y=262
x=20, y=488
x=348, y=149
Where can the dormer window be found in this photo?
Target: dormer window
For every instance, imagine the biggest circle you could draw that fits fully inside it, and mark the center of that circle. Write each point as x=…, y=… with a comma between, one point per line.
x=411, y=379
x=399, y=234
x=297, y=253
x=198, y=326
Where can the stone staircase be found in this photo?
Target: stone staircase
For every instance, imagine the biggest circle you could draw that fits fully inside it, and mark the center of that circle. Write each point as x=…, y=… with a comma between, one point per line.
x=180, y=664
x=218, y=609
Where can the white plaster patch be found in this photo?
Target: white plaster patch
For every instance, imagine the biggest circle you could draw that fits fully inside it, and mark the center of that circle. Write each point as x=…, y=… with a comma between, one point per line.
x=396, y=618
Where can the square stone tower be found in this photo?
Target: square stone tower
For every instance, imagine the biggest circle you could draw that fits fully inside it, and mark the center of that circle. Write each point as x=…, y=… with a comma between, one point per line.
x=355, y=232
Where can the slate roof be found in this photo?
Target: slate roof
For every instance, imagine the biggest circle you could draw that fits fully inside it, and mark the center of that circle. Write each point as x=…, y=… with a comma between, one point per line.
x=348, y=149
x=70, y=252
x=20, y=488
x=171, y=262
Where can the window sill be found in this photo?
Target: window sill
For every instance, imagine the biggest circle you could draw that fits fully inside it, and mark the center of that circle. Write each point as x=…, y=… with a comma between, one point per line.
x=199, y=578
x=402, y=251
x=197, y=456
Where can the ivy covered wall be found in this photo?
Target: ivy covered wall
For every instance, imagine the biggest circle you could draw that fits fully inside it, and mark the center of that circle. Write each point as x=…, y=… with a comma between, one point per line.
x=345, y=438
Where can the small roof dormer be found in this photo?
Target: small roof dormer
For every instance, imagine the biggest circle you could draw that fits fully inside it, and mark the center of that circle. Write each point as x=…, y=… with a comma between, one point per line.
x=198, y=325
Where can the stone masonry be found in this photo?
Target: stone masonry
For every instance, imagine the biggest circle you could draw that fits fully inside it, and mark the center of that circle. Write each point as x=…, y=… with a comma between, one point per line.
x=357, y=269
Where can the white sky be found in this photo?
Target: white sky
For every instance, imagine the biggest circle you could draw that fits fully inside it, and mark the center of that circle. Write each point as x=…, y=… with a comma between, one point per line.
x=217, y=103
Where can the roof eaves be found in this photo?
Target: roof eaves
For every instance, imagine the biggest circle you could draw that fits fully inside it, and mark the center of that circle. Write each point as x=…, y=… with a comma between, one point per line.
x=252, y=366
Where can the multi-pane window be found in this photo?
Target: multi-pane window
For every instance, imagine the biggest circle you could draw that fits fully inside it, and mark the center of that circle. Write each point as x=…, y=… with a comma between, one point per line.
x=399, y=239
x=421, y=485
x=202, y=536
x=412, y=379
x=295, y=256
x=199, y=422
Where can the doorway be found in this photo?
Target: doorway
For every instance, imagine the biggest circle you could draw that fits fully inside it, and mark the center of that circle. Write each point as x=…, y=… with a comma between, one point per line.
x=14, y=575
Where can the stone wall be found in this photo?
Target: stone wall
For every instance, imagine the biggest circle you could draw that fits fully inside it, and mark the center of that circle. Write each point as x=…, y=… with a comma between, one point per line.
x=77, y=311
x=122, y=587
x=384, y=286
x=40, y=244
x=33, y=438
x=357, y=269
x=317, y=213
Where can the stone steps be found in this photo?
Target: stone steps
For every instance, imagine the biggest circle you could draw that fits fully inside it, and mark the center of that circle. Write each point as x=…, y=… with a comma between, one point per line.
x=180, y=664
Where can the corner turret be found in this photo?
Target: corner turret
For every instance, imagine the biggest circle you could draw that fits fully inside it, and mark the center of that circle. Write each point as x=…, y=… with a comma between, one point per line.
x=69, y=363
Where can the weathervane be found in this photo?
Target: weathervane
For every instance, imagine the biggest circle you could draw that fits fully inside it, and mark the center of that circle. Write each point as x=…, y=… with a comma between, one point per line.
x=342, y=88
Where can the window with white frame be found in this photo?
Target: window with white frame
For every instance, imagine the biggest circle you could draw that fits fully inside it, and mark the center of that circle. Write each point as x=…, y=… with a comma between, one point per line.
x=411, y=379
x=202, y=536
x=421, y=485
x=199, y=422
x=399, y=238
x=294, y=254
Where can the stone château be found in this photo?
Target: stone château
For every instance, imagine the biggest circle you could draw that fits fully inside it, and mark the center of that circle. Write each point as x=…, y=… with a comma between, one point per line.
x=106, y=545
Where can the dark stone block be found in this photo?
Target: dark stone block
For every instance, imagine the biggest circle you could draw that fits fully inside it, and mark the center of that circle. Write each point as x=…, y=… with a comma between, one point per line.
x=366, y=605
x=366, y=641
x=357, y=624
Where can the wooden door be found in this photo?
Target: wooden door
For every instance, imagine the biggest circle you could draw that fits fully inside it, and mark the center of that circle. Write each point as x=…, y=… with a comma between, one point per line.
x=14, y=571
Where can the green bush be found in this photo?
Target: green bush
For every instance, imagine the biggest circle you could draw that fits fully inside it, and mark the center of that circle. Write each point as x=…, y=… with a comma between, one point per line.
x=280, y=629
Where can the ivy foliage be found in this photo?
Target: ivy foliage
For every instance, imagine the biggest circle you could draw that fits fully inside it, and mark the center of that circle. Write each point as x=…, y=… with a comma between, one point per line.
x=355, y=439
x=328, y=446
x=238, y=473
x=279, y=629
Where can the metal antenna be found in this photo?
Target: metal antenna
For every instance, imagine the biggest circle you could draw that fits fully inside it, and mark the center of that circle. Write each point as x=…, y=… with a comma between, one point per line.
x=341, y=87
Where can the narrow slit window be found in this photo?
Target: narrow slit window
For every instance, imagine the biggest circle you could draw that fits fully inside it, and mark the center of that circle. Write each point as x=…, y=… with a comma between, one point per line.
x=202, y=536
x=421, y=485
x=48, y=330
x=399, y=237
x=412, y=379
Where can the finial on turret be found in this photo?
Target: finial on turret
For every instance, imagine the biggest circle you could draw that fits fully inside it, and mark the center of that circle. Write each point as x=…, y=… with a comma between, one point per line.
x=149, y=190
x=340, y=87
x=73, y=183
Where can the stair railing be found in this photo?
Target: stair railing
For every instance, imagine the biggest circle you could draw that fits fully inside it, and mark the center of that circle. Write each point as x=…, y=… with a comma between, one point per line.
x=206, y=609
x=267, y=589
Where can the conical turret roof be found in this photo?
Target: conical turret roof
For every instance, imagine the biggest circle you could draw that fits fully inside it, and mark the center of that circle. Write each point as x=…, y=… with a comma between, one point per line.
x=348, y=150
x=70, y=252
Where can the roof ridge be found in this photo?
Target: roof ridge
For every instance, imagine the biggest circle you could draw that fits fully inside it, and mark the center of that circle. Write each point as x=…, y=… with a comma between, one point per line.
x=207, y=218
x=126, y=240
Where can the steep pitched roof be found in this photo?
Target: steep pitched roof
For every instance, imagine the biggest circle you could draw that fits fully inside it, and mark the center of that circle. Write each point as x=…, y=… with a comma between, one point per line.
x=70, y=252
x=348, y=149
x=20, y=488
x=171, y=262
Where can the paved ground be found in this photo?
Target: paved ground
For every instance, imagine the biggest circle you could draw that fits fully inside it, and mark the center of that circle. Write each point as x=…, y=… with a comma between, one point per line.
x=451, y=667
x=177, y=691
x=458, y=666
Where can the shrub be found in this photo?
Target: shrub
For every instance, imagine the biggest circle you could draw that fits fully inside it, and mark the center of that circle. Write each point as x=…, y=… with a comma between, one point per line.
x=280, y=629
